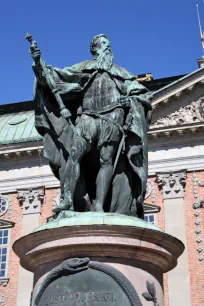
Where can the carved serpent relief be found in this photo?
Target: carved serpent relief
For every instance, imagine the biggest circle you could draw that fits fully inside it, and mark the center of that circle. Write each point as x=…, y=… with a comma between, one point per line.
x=68, y=267
x=73, y=266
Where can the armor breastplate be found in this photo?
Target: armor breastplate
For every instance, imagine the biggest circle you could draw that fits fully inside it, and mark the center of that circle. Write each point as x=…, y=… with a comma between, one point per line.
x=101, y=94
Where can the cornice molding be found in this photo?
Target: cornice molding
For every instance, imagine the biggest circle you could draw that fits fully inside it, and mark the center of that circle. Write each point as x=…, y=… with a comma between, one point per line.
x=191, y=163
x=177, y=89
x=20, y=152
x=167, y=132
x=33, y=181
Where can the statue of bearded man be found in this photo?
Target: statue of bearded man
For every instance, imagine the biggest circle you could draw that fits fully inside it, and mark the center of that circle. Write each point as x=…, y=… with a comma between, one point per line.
x=96, y=138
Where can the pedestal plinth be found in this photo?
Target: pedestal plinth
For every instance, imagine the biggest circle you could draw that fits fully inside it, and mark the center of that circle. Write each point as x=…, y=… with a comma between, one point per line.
x=121, y=260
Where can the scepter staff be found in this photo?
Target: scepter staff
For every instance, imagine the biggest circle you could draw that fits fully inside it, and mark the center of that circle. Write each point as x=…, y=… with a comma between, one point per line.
x=35, y=51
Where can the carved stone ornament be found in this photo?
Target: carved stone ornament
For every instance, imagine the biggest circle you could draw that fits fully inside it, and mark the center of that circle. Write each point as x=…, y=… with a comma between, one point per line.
x=200, y=109
x=200, y=249
x=148, y=189
x=31, y=200
x=199, y=203
x=172, y=184
x=191, y=113
x=5, y=203
x=196, y=214
x=56, y=199
x=198, y=231
x=150, y=296
x=200, y=258
x=197, y=222
x=81, y=281
x=2, y=300
x=199, y=240
x=197, y=206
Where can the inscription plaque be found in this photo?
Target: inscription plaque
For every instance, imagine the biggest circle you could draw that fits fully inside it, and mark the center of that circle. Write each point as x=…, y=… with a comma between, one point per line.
x=87, y=288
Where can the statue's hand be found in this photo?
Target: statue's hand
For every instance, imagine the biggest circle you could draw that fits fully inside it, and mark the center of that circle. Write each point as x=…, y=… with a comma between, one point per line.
x=125, y=101
x=65, y=113
x=35, y=52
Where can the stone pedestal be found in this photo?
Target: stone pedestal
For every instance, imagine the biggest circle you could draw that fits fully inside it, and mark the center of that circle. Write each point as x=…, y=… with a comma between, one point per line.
x=117, y=250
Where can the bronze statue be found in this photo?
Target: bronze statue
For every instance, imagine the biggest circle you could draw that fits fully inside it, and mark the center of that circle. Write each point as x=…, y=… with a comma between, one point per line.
x=94, y=117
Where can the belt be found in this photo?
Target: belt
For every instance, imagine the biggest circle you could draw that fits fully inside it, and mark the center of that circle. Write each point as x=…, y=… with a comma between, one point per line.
x=108, y=108
x=92, y=113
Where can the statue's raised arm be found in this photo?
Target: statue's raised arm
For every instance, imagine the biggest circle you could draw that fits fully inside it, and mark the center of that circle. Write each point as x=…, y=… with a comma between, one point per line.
x=44, y=74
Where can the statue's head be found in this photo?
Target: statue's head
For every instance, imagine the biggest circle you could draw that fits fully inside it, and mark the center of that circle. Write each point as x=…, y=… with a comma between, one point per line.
x=99, y=43
x=100, y=48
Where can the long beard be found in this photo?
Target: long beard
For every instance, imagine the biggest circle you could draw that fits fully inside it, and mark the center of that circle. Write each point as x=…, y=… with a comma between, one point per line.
x=105, y=60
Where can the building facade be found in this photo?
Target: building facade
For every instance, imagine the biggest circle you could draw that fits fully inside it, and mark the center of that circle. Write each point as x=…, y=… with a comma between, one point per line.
x=174, y=198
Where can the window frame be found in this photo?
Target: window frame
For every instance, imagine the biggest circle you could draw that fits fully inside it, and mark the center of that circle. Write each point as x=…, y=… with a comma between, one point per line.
x=6, y=225
x=151, y=214
x=150, y=209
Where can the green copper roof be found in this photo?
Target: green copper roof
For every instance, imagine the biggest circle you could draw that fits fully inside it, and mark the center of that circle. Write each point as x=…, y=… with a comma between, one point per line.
x=18, y=127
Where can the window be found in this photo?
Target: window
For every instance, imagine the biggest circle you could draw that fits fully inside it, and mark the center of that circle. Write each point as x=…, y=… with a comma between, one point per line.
x=4, y=243
x=150, y=218
x=151, y=211
x=5, y=229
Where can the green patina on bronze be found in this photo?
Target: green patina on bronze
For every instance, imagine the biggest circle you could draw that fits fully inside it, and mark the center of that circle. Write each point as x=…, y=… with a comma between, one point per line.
x=94, y=117
x=68, y=218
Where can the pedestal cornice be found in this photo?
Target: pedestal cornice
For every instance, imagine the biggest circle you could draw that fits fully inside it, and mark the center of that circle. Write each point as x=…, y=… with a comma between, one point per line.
x=101, y=239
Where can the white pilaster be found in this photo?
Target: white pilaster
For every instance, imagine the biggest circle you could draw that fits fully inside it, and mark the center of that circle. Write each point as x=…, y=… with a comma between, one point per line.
x=31, y=201
x=173, y=185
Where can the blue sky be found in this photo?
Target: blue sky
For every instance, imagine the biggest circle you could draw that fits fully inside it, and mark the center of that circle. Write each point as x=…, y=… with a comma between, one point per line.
x=160, y=36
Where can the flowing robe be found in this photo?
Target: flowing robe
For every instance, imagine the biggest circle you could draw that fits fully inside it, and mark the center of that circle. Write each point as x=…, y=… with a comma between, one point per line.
x=130, y=177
